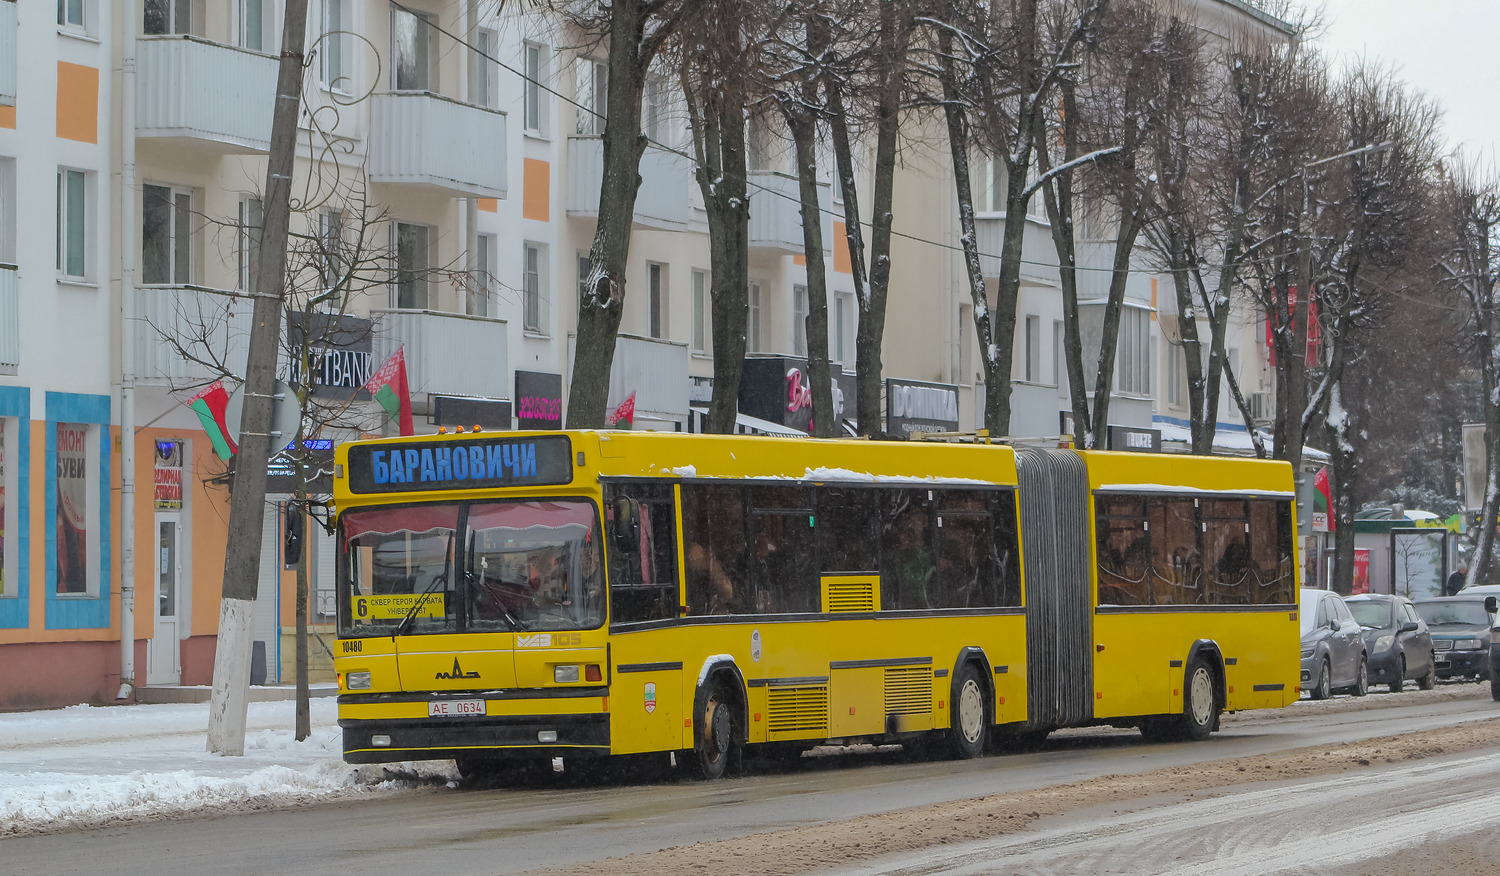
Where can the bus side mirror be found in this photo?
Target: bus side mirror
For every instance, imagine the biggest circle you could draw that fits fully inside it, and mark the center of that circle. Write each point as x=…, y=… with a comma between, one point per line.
x=627, y=525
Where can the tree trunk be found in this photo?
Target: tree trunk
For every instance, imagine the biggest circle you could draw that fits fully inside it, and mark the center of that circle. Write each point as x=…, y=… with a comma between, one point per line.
x=1345, y=463
x=602, y=293
x=1482, y=301
x=804, y=137
x=226, y=720
x=854, y=238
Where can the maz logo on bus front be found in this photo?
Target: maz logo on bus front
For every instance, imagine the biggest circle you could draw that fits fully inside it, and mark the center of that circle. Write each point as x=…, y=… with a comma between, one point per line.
x=444, y=464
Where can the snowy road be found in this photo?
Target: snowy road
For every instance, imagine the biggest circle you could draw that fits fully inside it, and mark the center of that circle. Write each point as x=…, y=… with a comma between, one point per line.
x=1311, y=826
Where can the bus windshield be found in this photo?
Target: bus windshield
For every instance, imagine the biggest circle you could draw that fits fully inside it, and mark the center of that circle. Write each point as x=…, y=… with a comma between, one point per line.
x=471, y=567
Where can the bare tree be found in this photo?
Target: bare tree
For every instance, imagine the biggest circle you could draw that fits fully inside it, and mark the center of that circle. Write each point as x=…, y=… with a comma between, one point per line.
x=635, y=31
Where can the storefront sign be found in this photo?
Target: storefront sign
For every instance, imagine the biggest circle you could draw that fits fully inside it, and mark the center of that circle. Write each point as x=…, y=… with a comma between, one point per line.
x=1361, y=570
x=169, y=475
x=340, y=360
x=912, y=407
x=779, y=389
x=538, y=400
x=453, y=410
x=1134, y=439
x=316, y=458
x=72, y=508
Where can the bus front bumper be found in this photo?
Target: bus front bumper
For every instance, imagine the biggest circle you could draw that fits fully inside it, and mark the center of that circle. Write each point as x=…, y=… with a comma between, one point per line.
x=383, y=741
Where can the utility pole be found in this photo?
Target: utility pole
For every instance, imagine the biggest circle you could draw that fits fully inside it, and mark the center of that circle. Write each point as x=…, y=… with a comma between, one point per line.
x=226, y=719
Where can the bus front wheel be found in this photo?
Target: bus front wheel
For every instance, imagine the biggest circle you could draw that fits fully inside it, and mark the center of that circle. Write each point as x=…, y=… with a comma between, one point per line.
x=970, y=715
x=715, y=736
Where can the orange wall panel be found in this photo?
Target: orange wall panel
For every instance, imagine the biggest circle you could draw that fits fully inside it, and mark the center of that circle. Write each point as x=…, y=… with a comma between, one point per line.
x=536, y=188
x=489, y=205
x=77, y=102
x=8, y=117
x=841, y=261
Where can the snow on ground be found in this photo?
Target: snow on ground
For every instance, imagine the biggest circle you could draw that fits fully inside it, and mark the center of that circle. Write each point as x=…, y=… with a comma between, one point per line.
x=87, y=765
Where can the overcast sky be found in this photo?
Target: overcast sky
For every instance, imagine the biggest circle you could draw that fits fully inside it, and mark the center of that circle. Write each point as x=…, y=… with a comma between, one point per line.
x=1443, y=47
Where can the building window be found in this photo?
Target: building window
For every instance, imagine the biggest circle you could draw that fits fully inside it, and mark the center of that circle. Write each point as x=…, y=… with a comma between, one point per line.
x=254, y=25
x=654, y=110
x=251, y=221
x=535, y=63
x=411, y=244
x=752, y=325
x=799, y=320
x=168, y=16
x=1176, y=362
x=77, y=489
x=484, y=84
x=1133, y=360
x=72, y=223
x=585, y=267
x=1059, y=353
x=843, y=327
x=531, y=287
x=592, y=84
x=700, y=312
x=656, y=286
x=1033, y=349
x=72, y=14
x=7, y=211
x=484, y=275
x=412, y=52
x=333, y=256
x=166, y=234
x=333, y=50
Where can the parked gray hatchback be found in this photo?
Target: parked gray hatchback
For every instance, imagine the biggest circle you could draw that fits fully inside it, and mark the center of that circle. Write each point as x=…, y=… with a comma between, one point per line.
x=1461, y=632
x=1396, y=639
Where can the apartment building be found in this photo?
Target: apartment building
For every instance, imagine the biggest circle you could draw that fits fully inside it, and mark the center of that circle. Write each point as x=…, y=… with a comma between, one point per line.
x=452, y=150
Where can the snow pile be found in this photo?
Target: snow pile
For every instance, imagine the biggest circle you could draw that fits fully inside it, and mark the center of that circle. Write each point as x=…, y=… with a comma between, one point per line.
x=84, y=765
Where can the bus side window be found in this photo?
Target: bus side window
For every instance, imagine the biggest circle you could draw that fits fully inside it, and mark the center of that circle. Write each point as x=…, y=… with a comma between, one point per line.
x=906, y=564
x=1176, y=564
x=848, y=539
x=643, y=581
x=1005, y=549
x=1226, y=552
x=1123, y=543
x=1271, y=564
x=713, y=536
x=963, y=575
x=782, y=564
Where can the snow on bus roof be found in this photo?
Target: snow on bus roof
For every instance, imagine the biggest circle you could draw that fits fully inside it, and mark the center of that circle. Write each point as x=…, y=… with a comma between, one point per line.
x=825, y=474
x=1184, y=488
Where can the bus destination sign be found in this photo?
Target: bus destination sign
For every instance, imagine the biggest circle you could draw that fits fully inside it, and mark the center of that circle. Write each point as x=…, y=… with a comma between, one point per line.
x=461, y=464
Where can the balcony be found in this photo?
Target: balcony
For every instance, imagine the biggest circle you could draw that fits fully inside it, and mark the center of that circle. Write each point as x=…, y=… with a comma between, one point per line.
x=427, y=140
x=446, y=353
x=208, y=324
x=1039, y=256
x=661, y=203
x=7, y=53
x=10, y=317
x=776, y=212
x=192, y=89
x=654, y=371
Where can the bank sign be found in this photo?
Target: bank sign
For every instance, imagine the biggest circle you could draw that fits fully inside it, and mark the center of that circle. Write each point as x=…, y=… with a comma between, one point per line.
x=912, y=407
x=460, y=464
x=339, y=355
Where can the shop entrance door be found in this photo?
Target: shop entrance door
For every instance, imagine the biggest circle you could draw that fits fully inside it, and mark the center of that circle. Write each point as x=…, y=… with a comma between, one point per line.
x=164, y=652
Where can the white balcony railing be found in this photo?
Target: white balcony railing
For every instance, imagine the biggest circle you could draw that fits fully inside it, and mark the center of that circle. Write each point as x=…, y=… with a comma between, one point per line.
x=176, y=325
x=10, y=317
x=425, y=139
x=1037, y=252
x=776, y=212
x=660, y=203
x=651, y=369
x=446, y=353
x=193, y=89
x=7, y=53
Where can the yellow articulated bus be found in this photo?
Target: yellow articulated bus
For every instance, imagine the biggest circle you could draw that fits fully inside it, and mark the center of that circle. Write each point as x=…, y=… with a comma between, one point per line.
x=507, y=598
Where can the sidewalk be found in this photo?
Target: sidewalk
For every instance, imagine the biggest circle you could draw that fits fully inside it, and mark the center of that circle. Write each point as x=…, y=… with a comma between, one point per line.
x=87, y=765
x=202, y=693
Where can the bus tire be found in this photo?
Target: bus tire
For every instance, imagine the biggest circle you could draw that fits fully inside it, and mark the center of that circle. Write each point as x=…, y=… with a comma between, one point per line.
x=970, y=715
x=714, y=746
x=1200, y=701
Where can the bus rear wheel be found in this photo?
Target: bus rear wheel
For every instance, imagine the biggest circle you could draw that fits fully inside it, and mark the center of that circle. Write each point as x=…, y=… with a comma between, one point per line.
x=970, y=715
x=1200, y=701
x=715, y=737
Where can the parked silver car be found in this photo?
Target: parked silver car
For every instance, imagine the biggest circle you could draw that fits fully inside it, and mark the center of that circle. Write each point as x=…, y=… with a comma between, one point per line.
x=1333, y=646
x=1396, y=640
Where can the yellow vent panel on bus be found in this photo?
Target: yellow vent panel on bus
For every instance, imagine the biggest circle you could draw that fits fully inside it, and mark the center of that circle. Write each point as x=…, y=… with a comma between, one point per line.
x=851, y=593
x=797, y=711
x=908, y=690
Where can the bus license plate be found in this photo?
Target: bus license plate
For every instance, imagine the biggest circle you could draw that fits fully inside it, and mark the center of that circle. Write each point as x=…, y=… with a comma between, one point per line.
x=455, y=708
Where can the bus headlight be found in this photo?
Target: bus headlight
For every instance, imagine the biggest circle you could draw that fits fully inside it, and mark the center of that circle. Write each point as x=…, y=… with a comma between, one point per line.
x=565, y=674
x=357, y=681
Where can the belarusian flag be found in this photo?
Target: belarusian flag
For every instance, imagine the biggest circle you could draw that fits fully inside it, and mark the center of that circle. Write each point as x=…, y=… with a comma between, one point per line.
x=625, y=413
x=388, y=386
x=210, y=405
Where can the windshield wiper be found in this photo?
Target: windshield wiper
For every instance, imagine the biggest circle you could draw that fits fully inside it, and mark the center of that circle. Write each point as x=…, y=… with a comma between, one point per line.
x=472, y=579
x=422, y=598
